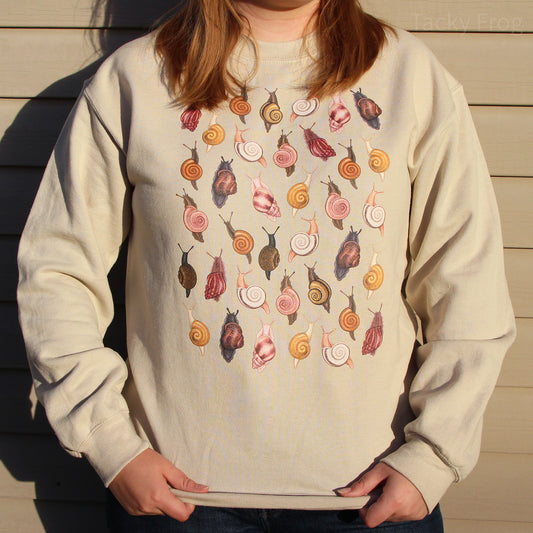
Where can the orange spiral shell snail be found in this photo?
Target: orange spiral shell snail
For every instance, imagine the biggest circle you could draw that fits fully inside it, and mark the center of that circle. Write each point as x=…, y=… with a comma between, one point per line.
x=243, y=242
x=348, y=167
x=373, y=279
x=198, y=332
x=300, y=344
x=378, y=160
x=214, y=134
x=240, y=106
x=190, y=168
x=348, y=318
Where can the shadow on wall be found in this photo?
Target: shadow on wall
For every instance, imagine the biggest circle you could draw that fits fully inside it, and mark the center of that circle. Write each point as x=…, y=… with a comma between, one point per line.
x=69, y=495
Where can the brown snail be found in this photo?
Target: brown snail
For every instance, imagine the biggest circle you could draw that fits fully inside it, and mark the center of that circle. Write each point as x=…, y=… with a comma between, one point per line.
x=186, y=273
x=348, y=318
x=190, y=168
x=243, y=242
x=269, y=255
x=224, y=183
x=348, y=254
x=368, y=109
x=231, y=336
x=319, y=290
x=300, y=344
x=270, y=111
x=348, y=167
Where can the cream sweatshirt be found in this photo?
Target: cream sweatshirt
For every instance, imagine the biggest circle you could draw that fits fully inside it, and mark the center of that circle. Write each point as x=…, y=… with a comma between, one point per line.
x=282, y=255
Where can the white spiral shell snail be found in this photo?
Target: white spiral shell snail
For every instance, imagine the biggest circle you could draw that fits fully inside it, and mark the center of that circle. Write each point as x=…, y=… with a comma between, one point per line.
x=337, y=354
x=252, y=296
x=304, y=108
x=338, y=113
x=248, y=150
x=302, y=243
x=374, y=215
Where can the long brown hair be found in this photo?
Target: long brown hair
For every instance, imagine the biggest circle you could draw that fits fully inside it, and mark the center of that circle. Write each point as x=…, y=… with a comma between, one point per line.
x=196, y=43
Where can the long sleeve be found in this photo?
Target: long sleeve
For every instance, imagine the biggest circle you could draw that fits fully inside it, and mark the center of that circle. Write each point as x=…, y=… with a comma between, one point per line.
x=79, y=219
x=456, y=285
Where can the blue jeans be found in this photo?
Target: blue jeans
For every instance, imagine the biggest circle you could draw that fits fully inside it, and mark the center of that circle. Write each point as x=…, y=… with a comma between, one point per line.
x=230, y=520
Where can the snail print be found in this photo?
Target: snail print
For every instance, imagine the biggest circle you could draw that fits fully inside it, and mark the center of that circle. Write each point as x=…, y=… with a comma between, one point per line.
x=248, y=150
x=338, y=114
x=214, y=134
x=224, y=183
x=337, y=207
x=240, y=106
x=231, y=336
x=243, y=242
x=300, y=344
x=190, y=168
x=286, y=155
x=337, y=354
x=186, y=273
x=216, y=279
x=262, y=198
x=298, y=194
x=198, y=332
x=374, y=215
x=269, y=255
x=348, y=167
x=318, y=146
x=288, y=302
x=368, y=109
x=348, y=318
x=319, y=290
x=304, y=108
x=303, y=243
x=378, y=160
x=348, y=254
x=374, y=334
x=252, y=296
x=195, y=221
x=264, y=347
x=190, y=118
x=270, y=111
x=373, y=279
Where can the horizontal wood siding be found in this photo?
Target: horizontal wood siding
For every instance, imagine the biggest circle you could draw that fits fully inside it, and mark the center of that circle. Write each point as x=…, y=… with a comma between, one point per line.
x=49, y=47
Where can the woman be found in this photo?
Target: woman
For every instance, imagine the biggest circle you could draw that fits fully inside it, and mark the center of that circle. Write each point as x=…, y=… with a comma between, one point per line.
x=299, y=183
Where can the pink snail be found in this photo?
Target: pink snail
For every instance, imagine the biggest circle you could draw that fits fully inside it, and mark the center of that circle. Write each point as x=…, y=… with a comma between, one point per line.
x=263, y=199
x=264, y=348
x=248, y=150
x=195, y=220
x=288, y=302
x=337, y=207
x=338, y=114
x=286, y=155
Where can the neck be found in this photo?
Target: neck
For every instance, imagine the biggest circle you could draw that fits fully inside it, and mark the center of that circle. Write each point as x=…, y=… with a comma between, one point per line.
x=277, y=20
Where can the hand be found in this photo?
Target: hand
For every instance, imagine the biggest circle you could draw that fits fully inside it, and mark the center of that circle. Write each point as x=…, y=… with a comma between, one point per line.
x=142, y=487
x=399, y=501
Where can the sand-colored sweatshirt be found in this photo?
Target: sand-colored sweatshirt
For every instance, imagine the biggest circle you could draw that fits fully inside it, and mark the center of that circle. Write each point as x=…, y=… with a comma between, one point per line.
x=283, y=253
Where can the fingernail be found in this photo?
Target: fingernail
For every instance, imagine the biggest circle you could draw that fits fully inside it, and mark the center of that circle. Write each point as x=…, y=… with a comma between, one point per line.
x=201, y=487
x=342, y=491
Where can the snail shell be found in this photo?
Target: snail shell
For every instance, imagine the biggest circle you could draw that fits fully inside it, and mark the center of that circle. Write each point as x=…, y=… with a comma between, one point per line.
x=252, y=296
x=240, y=106
x=187, y=276
x=319, y=291
x=303, y=243
x=191, y=170
x=232, y=337
x=264, y=348
x=285, y=156
x=199, y=334
x=338, y=114
x=378, y=160
x=373, y=278
x=249, y=150
x=303, y=107
x=224, y=183
x=194, y=219
x=337, y=207
x=299, y=346
x=336, y=355
x=190, y=118
x=348, y=320
x=349, y=169
x=269, y=258
x=298, y=195
x=243, y=242
x=349, y=255
x=288, y=301
x=374, y=215
x=271, y=113
x=214, y=134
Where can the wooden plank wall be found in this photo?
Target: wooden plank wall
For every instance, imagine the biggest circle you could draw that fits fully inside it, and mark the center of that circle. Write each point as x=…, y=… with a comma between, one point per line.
x=47, y=48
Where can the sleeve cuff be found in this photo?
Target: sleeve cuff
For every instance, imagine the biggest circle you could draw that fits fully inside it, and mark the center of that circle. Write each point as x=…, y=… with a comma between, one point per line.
x=112, y=445
x=417, y=461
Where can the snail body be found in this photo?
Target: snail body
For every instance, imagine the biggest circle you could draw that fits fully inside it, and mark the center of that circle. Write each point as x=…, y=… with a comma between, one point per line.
x=248, y=150
x=198, y=332
x=319, y=290
x=190, y=168
x=240, y=105
x=252, y=296
x=286, y=155
x=300, y=344
x=302, y=243
x=216, y=279
x=338, y=113
x=374, y=215
x=269, y=255
x=304, y=107
x=378, y=160
x=348, y=255
x=337, y=354
x=190, y=118
x=270, y=111
x=368, y=109
x=243, y=242
x=337, y=207
x=231, y=336
x=214, y=134
x=264, y=347
x=186, y=273
x=373, y=279
x=298, y=194
x=348, y=318
x=288, y=302
x=348, y=167
x=224, y=183
x=263, y=199
x=318, y=146
x=195, y=221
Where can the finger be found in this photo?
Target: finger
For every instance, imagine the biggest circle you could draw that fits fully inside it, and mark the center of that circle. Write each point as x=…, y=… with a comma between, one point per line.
x=366, y=483
x=382, y=509
x=172, y=506
x=177, y=479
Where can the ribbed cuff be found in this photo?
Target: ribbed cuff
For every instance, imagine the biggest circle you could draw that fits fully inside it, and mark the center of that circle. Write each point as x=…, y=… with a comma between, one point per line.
x=417, y=461
x=112, y=445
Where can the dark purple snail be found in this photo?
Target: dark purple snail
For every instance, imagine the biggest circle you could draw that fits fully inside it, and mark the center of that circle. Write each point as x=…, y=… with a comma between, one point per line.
x=231, y=336
x=348, y=255
x=368, y=109
x=224, y=183
x=186, y=273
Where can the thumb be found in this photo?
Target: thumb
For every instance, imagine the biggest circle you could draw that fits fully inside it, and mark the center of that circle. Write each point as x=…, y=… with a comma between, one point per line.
x=178, y=480
x=365, y=484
